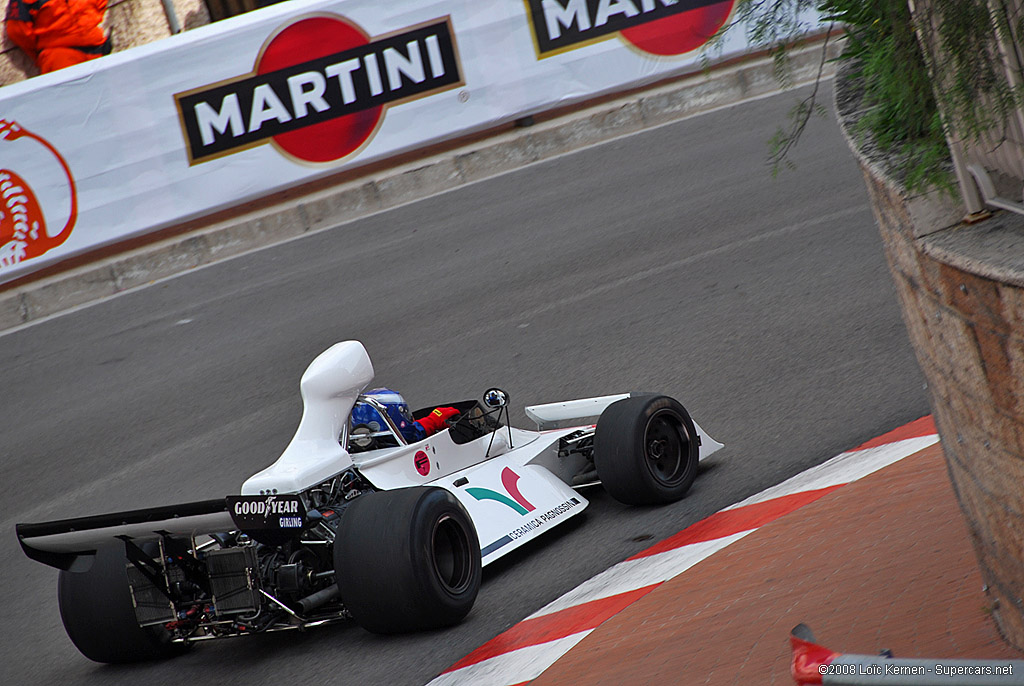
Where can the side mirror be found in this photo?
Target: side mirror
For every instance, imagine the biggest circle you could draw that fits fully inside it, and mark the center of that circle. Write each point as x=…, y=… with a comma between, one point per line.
x=495, y=398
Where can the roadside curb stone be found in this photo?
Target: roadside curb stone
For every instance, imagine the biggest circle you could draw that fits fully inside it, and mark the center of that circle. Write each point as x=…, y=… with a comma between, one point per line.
x=883, y=562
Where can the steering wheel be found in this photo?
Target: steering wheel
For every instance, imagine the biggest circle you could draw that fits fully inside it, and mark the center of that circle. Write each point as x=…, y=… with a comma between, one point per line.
x=361, y=438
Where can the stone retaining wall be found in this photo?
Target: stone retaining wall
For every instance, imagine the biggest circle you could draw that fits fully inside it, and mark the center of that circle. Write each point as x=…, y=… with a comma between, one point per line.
x=961, y=288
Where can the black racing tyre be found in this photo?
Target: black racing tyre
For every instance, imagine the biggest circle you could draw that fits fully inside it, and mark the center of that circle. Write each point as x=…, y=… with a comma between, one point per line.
x=98, y=615
x=646, y=450
x=407, y=560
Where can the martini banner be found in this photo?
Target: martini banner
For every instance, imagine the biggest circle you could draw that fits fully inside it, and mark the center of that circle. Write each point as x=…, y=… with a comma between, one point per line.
x=220, y=115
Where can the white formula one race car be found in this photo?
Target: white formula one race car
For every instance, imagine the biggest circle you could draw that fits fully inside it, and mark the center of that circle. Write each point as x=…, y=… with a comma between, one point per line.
x=353, y=521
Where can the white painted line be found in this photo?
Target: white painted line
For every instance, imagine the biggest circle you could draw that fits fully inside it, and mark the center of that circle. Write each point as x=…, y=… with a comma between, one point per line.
x=514, y=667
x=438, y=159
x=843, y=469
x=633, y=574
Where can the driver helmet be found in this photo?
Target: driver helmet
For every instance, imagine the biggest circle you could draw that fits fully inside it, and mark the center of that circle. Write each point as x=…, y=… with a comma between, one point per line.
x=397, y=409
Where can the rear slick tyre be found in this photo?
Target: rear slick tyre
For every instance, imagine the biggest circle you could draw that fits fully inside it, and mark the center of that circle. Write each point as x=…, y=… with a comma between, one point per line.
x=407, y=560
x=98, y=615
x=646, y=450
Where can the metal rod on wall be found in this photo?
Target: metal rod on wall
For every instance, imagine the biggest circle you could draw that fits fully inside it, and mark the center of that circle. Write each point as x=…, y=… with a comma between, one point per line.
x=172, y=16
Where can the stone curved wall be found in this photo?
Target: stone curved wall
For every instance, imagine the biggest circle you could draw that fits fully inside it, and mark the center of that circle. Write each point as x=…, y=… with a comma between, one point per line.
x=961, y=288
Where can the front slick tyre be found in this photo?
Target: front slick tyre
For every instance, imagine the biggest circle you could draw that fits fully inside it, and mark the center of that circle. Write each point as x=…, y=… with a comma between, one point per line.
x=407, y=560
x=98, y=615
x=646, y=450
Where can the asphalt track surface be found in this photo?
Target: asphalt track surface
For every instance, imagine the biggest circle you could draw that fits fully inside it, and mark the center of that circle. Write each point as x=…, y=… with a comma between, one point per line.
x=665, y=261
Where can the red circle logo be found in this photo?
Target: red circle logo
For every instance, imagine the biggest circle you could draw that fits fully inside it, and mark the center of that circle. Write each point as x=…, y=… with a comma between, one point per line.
x=306, y=40
x=680, y=33
x=422, y=463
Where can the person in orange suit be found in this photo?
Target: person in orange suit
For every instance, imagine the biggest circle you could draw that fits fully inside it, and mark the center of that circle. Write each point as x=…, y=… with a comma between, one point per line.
x=58, y=33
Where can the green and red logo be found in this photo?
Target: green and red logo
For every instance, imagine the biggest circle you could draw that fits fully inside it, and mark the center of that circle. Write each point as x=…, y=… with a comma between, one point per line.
x=663, y=28
x=510, y=481
x=319, y=89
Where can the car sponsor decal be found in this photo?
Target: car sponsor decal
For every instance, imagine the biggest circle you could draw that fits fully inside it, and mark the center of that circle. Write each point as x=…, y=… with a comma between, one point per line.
x=510, y=480
x=23, y=232
x=535, y=523
x=319, y=89
x=422, y=461
x=267, y=511
x=662, y=28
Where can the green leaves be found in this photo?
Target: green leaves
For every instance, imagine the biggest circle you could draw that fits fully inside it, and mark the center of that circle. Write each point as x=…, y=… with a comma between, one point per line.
x=901, y=110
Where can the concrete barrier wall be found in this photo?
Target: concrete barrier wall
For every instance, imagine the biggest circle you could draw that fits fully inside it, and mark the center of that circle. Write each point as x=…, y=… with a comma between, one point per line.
x=364, y=192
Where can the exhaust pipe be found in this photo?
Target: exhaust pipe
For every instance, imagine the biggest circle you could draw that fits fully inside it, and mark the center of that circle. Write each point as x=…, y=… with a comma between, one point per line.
x=321, y=597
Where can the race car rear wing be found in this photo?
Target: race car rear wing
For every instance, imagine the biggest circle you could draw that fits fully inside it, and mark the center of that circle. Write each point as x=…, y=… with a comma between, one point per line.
x=63, y=542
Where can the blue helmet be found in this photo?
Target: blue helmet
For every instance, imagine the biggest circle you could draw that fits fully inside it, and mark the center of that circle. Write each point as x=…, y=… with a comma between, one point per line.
x=366, y=415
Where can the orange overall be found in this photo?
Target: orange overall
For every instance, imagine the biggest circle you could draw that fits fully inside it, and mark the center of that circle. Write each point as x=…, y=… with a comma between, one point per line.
x=58, y=33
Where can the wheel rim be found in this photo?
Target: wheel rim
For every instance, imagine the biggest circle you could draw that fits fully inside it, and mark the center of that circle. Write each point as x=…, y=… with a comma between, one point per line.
x=666, y=448
x=453, y=561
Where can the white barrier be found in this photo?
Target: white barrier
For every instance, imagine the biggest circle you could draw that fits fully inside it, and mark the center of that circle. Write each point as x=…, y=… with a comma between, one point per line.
x=166, y=132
